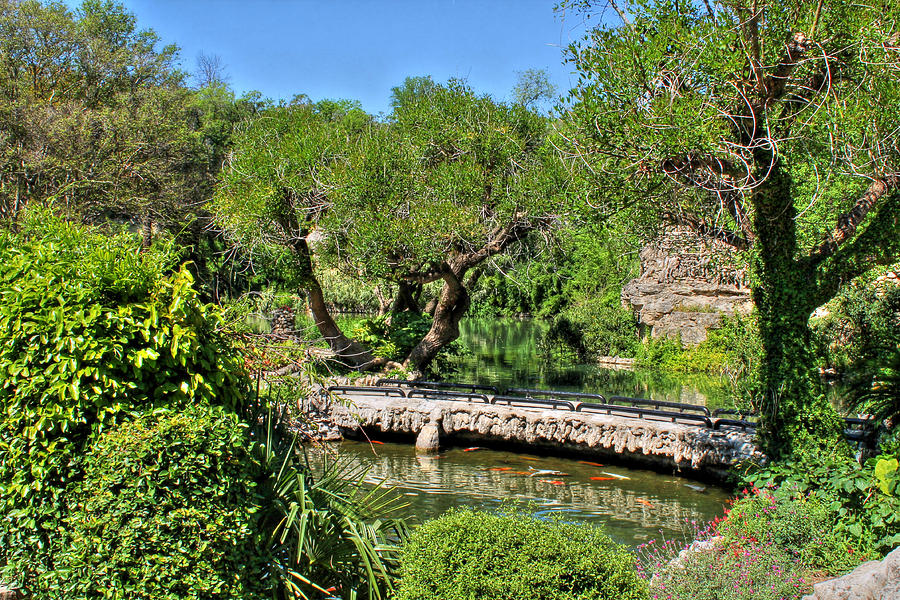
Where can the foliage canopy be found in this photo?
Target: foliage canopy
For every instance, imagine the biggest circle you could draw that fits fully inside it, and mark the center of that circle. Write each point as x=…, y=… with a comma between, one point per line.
x=770, y=126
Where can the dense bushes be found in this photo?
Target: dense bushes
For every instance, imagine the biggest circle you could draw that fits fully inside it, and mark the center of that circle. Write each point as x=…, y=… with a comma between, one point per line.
x=394, y=338
x=766, y=548
x=167, y=509
x=593, y=327
x=865, y=500
x=861, y=325
x=475, y=555
x=91, y=333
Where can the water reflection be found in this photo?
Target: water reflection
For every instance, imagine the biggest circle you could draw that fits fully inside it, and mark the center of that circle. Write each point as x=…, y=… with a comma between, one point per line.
x=506, y=353
x=633, y=505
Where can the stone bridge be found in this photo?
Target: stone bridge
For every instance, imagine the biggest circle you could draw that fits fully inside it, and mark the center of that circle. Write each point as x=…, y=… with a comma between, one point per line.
x=653, y=438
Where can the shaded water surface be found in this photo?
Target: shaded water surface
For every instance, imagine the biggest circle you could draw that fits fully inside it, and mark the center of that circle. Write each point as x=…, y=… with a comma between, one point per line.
x=632, y=505
x=507, y=353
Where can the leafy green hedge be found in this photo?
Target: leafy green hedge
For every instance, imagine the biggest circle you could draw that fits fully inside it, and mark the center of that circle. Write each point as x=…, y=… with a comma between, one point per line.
x=92, y=332
x=472, y=555
x=167, y=510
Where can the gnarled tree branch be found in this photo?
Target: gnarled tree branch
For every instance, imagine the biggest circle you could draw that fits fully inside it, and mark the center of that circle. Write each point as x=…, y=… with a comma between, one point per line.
x=776, y=83
x=848, y=222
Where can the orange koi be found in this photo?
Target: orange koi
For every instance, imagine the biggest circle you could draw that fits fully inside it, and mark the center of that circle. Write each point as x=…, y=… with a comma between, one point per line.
x=602, y=478
x=520, y=472
x=472, y=449
x=644, y=502
x=553, y=482
x=501, y=469
x=376, y=442
x=587, y=462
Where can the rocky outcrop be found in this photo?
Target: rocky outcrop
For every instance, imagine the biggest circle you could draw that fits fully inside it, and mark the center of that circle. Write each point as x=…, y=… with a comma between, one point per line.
x=653, y=443
x=283, y=321
x=9, y=594
x=685, y=287
x=874, y=580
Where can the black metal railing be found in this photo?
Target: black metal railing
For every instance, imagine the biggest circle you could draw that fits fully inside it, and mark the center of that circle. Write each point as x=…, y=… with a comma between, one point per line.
x=856, y=429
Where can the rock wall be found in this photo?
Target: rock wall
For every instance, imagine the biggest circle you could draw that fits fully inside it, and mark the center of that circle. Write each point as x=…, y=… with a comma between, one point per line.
x=685, y=287
x=653, y=443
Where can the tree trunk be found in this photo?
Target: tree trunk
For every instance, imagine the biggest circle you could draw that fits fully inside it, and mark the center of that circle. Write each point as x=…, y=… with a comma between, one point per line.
x=383, y=304
x=449, y=310
x=351, y=352
x=794, y=413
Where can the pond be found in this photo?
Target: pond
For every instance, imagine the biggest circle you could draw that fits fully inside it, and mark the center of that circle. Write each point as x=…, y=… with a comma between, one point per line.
x=632, y=505
x=506, y=352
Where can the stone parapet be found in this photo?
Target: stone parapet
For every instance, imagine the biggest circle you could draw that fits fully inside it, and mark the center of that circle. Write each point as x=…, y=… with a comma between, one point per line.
x=653, y=443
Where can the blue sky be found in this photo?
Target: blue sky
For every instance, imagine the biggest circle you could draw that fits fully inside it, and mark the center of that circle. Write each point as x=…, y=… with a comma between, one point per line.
x=360, y=49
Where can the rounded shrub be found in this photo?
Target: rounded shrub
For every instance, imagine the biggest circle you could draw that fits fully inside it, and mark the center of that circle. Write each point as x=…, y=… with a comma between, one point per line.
x=167, y=510
x=473, y=555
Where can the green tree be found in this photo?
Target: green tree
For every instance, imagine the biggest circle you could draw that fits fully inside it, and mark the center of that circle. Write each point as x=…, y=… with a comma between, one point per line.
x=88, y=110
x=449, y=181
x=273, y=194
x=452, y=180
x=771, y=126
x=533, y=87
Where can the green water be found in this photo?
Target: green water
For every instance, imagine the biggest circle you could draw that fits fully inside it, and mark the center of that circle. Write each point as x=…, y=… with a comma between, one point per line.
x=644, y=506
x=507, y=353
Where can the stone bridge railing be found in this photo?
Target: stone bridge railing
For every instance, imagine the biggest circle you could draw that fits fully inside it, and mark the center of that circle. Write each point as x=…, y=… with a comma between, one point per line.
x=659, y=439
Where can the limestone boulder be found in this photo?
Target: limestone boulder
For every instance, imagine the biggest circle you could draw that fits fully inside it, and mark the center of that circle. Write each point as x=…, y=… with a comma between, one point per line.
x=685, y=287
x=874, y=580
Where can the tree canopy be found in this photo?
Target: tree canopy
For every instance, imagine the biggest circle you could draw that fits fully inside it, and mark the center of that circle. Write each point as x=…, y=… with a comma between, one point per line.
x=451, y=179
x=771, y=126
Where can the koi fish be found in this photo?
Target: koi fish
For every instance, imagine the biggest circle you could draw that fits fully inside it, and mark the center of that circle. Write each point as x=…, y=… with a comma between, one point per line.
x=546, y=472
x=615, y=475
x=587, y=462
x=501, y=469
x=376, y=442
x=529, y=458
x=602, y=478
x=472, y=449
x=696, y=488
x=644, y=502
x=553, y=482
x=520, y=473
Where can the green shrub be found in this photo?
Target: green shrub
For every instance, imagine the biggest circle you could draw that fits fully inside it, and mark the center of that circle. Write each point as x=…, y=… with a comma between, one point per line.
x=863, y=323
x=91, y=332
x=596, y=326
x=732, y=349
x=797, y=523
x=753, y=571
x=474, y=555
x=865, y=507
x=167, y=510
x=767, y=547
x=392, y=340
